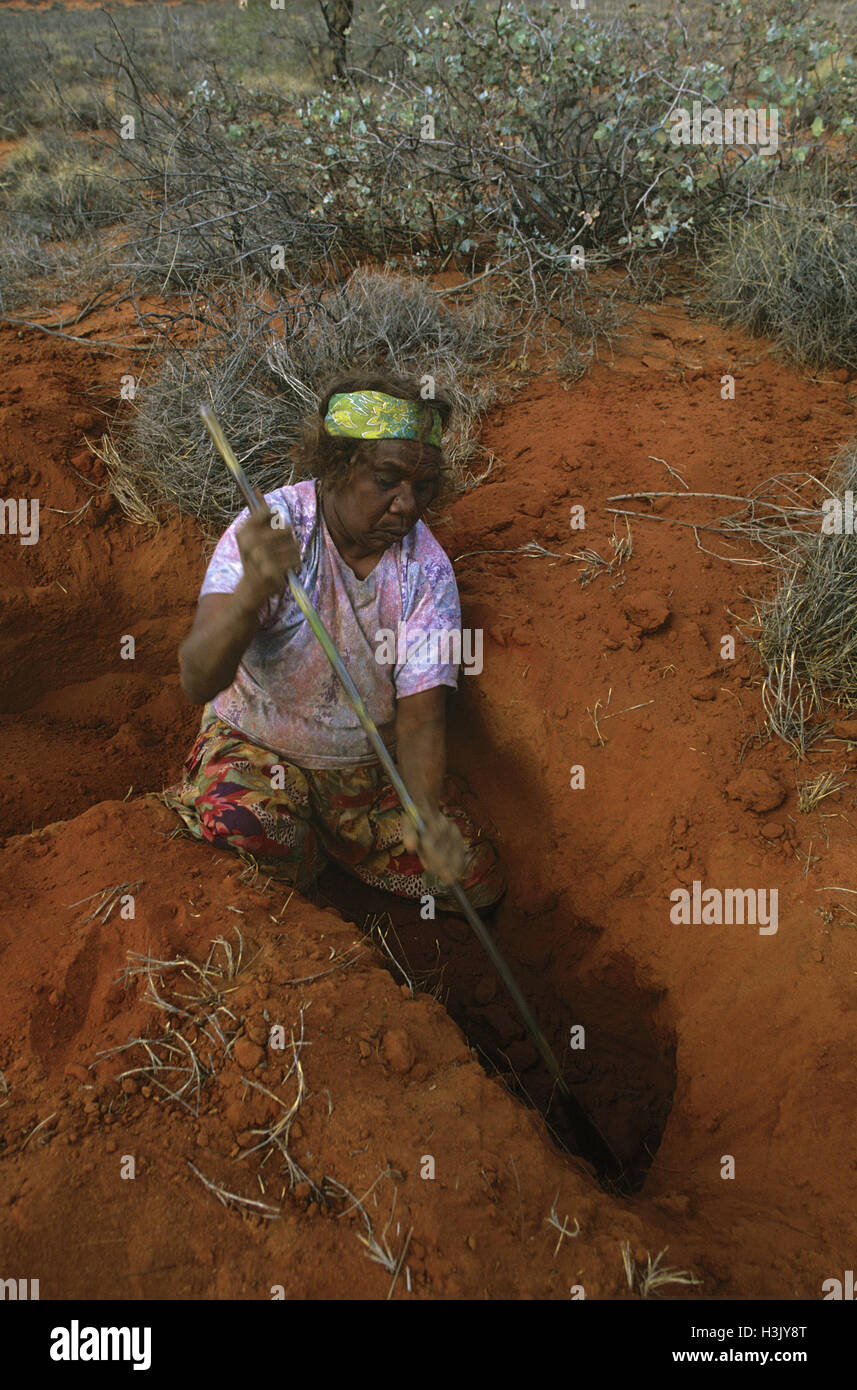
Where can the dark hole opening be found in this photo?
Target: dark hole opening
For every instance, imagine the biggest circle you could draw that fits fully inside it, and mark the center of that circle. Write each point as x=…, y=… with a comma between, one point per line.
x=616, y=1058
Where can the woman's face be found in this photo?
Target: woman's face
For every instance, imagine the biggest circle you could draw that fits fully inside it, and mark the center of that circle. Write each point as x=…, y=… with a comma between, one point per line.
x=393, y=483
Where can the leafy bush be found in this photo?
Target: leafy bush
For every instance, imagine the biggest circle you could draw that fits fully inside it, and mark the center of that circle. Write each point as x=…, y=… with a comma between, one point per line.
x=550, y=135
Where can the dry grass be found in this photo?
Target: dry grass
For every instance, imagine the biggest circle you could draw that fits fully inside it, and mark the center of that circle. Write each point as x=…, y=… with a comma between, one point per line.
x=808, y=627
x=172, y=1062
x=58, y=186
x=650, y=1281
x=274, y=1138
x=36, y=270
x=377, y=1247
x=57, y=195
x=815, y=789
x=805, y=628
x=565, y=1231
x=379, y=927
x=263, y=1209
x=260, y=368
x=593, y=563
x=790, y=272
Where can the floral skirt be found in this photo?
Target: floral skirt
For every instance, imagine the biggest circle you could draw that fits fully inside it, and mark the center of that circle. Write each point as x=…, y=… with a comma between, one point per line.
x=237, y=795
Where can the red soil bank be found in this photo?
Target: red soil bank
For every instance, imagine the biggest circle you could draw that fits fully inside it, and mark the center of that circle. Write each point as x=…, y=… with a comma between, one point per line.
x=702, y=1041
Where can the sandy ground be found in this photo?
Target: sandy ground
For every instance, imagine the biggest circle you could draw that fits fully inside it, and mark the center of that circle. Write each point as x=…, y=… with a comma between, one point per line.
x=702, y=1042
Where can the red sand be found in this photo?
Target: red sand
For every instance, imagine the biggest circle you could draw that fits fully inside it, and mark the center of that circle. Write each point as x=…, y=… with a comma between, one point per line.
x=702, y=1041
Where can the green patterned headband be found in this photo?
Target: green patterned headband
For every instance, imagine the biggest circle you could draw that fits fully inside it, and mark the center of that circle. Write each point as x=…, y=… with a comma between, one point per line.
x=374, y=415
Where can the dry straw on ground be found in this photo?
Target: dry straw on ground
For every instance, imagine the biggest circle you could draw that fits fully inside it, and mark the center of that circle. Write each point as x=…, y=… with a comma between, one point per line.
x=655, y=1277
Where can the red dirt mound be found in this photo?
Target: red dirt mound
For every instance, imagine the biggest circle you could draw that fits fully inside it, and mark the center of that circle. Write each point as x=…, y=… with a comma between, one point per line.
x=387, y=1086
x=82, y=722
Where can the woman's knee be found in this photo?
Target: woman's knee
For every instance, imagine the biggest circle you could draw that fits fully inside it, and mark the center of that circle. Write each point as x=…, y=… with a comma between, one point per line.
x=239, y=825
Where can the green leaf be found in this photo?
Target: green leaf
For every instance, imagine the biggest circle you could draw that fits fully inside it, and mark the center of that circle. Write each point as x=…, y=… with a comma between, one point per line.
x=817, y=126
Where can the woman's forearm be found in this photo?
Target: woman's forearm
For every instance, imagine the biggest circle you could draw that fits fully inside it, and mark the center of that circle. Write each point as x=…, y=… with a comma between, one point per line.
x=422, y=763
x=421, y=756
x=210, y=655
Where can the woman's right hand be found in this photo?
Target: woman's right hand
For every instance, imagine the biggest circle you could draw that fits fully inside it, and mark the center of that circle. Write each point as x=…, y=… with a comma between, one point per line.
x=266, y=553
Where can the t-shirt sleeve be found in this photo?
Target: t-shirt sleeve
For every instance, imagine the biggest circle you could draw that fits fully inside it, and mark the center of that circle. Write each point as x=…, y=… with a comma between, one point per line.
x=225, y=568
x=433, y=631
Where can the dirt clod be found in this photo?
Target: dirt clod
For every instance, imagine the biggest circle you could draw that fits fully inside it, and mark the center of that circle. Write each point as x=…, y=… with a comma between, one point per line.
x=248, y=1054
x=756, y=790
x=398, y=1050
x=647, y=610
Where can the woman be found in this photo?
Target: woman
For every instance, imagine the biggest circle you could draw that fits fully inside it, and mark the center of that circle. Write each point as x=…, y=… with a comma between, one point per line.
x=281, y=767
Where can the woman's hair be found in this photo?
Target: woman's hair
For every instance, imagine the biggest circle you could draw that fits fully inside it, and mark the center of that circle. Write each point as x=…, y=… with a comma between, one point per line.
x=332, y=458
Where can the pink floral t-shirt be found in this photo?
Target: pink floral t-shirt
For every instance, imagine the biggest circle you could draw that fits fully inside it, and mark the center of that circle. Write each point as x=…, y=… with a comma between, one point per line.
x=286, y=696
